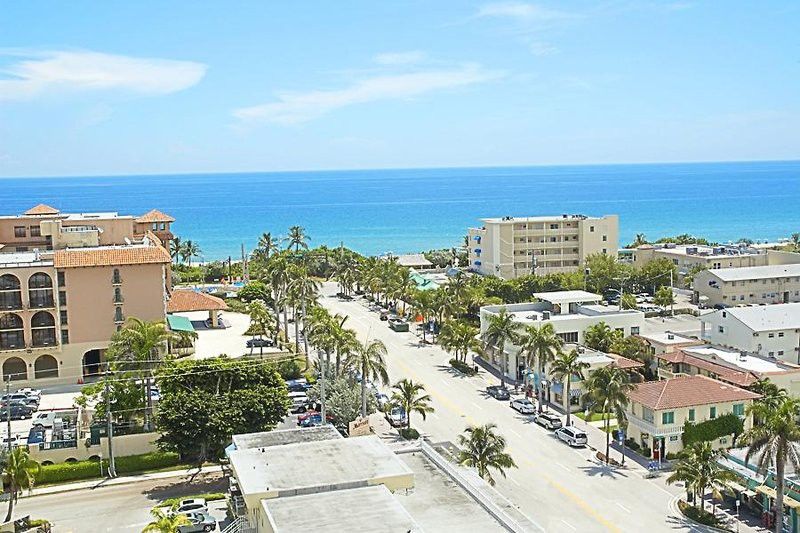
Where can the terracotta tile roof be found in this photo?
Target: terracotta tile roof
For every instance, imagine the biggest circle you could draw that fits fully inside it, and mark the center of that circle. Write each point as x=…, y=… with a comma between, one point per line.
x=183, y=300
x=110, y=256
x=740, y=377
x=42, y=209
x=624, y=362
x=687, y=391
x=154, y=216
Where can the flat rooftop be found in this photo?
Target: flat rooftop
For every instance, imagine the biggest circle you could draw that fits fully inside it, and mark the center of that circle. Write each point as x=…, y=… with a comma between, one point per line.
x=668, y=338
x=533, y=312
x=22, y=259
x=562, y=297
x=701, y=250
x=757, y=272
x=281, y=437
x=325, y=463
x=764, y=317
x=734, y=358
x=367, y=509
x=542, y=218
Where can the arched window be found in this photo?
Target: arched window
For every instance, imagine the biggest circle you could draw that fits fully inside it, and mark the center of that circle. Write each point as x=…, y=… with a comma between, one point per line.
x=14, y=369
x=43, y=329
x=117, y=295
x=116, y=278
x=45, y=366
x=40, y=290
x=118, y=315
x=10, y=292
x=12, y=335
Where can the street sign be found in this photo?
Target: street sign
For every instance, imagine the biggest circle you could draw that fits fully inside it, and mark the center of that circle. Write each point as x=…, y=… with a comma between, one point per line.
x=359, y=427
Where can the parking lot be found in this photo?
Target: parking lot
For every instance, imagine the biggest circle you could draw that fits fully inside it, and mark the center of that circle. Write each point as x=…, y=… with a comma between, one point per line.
x=58, y=397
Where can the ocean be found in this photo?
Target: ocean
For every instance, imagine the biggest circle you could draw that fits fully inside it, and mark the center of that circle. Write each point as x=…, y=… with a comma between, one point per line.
x=408, y=210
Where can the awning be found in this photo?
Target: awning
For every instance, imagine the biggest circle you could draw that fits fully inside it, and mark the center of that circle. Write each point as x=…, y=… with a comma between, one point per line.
x=735, y=486
x=179, y=323
x=787, y=500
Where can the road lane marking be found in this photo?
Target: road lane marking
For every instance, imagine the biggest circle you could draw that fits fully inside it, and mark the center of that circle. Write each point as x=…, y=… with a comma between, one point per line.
x=514, y=481
x=444, y=383
x=573, y=528
x=476, y=406
x=510, y=431
x=562, y=466
x=623, y=507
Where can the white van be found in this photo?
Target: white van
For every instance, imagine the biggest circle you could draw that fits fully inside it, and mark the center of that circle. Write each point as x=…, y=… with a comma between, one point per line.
x=46, y=419
x=572, y=436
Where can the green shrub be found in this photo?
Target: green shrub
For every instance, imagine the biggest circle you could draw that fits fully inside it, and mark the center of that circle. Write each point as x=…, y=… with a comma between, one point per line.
x=632, y=444
x=409, y=433
x=711, y=430
x=236, y=305
x=462, y=367
x=289, y=369
x=64, y=472
x=209, y=497
x=698, y=515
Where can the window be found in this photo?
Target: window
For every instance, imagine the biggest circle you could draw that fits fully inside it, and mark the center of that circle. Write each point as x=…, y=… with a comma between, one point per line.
x=780, y=334
x=771, y=335
x=163, y=226
x=62, y=297
x=118, y=315
x=63, y=317
x=64, y=336
x=634, y=330
x=712, y=413
x=116, y=278
x=591, y=229
x=738, y=409
x=155, y=226
x=571, y=336
x=605, y=238
x=19, y=231
x=668, y=417
x=605, y=251
x=780, y=352
x=772, y=354
x=720, y=329
x=36, y=231
x=691, y=415
x=647, y=414
x=62, y=279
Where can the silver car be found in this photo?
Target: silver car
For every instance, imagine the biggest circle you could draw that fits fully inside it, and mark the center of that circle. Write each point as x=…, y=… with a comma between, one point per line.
x=200, y=521
x=572, y=436
x=523, y=405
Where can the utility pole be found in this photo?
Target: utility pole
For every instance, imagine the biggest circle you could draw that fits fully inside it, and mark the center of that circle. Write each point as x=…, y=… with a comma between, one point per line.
x=112, y=469
x=322, y=365
x=8, y=410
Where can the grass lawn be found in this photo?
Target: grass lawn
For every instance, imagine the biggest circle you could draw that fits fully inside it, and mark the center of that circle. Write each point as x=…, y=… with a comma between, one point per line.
x=611, y=428
x=593, y=417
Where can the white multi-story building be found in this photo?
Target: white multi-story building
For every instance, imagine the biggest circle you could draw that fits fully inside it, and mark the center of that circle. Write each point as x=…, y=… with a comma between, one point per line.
x=770, y=284
x=767, y=330
x=509, y=247
x=569, y=312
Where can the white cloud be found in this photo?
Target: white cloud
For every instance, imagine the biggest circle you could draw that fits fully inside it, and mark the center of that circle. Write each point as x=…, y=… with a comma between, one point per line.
x=39, y=73
x=539, y=48
x=522, y=11
x=400, y=58
x=293, y=108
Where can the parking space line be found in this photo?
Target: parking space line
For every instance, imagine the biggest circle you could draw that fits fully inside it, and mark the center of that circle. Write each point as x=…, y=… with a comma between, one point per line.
x=510, y=431
x=514, y=481
x=562, y=466
x=623, y=507
x=573, y=528
x=476, y=406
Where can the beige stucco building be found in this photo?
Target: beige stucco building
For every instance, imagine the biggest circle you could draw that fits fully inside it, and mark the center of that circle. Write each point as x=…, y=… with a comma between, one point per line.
x=510, y=247
x=61, y=299
x=768, y=284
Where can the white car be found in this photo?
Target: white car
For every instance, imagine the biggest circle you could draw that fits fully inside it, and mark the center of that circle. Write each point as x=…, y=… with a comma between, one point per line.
x=299, y=402
x=547, y=420
x=396, y=416
x=190, y=506
x=382, y=399
x=36, y=393
x=523, y=405
x=572, y=436
x=46, y=419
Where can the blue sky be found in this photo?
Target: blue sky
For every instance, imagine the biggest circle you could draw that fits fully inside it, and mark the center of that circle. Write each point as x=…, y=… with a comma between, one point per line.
x=163, y=87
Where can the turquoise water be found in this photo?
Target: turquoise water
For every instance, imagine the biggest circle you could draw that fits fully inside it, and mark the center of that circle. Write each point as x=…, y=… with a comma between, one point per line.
x=374, y=211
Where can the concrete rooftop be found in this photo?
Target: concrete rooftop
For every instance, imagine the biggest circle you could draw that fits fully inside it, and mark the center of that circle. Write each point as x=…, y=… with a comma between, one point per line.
x=281, y=437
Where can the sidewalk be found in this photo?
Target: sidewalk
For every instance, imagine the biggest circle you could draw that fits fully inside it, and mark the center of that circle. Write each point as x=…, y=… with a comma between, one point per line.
x=122, y=480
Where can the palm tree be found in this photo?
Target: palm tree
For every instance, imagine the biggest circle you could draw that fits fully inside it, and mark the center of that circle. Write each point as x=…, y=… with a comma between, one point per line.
x=796, y=241
x=165, y=522
x=408, y=395
x=303, y=290
x=775, y=442
x=267, y=245
x=19, y=472
x=190, y=249
x=540, y=344
x=370, y=360
x=699, y=470
x=564, y=367
x=639, y=240
x=140, y=344
x=260, y=320
x=176, y=249
x=458, y=337
x=501, y=329
x=483, y=449
x=297, y=238
x=627, y=301
x=600, y=336
x=277, y=277
x=608, y=388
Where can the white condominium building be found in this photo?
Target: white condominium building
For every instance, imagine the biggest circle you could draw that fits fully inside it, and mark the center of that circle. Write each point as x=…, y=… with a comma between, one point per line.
x=510, y=247
x=770, y=284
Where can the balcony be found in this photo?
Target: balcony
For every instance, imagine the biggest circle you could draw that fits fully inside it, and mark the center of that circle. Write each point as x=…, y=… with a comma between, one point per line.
x=653, y=429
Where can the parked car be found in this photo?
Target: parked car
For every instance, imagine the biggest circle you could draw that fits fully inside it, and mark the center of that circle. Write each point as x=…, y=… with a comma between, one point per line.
x=35, y=436
x=16, y=410
x=31, y=401
x=45, y=419
x=36, y=393
x=15, y=441
x=547, y=420
x=572, y=436
x=259, y=343
x=384, y=316
x=382, y=399
x=192, y=505
x=312, y=420
x=523, y=405
x=397, y=324
x=498, y=393
x=200, y=521
x=397, y=417
x=298, y=385
x=299, y=402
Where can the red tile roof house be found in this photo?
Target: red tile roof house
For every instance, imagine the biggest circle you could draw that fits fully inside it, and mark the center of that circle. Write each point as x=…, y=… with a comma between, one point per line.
x=658, y=410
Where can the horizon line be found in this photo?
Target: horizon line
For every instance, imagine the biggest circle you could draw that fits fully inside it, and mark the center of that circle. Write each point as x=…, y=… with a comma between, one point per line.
x=371, y=169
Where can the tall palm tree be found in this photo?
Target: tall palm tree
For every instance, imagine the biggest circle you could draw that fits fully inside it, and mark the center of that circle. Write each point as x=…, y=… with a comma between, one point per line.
x=165, y=522
x=140, y=346
x=564, y=366
x=267, y=245
x=608, y=388
x=459, y=338
x=484, y=450
x=775, y=442
x=19, y=472
x=277, y=277
x=699, y=470
x=639, y=240
x=190, y=250
x=370, y=360
x=410, y=397
x=422, y=304
x=540, y=344
x=297, y=238
x=501, y=330
x=303, y=290
x=175, y=249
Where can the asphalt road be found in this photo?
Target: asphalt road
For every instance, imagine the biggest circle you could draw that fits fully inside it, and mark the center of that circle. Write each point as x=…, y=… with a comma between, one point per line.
x=120, y=508
x=559, y=488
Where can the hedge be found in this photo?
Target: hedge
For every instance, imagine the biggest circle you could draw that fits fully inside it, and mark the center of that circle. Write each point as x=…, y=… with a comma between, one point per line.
x=209, y=497
x=711, y=430
x=462, y=367
x=63, y=472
